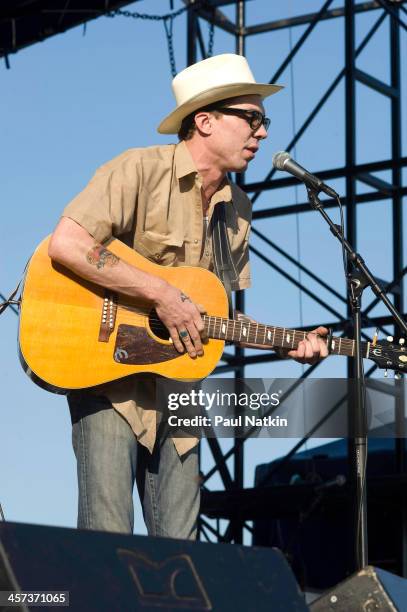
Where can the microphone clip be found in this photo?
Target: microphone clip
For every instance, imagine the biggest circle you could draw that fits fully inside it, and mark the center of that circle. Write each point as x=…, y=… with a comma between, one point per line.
x=313, y=198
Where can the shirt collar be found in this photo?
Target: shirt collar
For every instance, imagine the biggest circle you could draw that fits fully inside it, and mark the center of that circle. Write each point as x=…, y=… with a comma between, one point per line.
x=184, y=165
x=223, y=193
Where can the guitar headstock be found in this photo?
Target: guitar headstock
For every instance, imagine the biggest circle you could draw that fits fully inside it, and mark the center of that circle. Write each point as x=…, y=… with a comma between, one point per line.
x=389, y=355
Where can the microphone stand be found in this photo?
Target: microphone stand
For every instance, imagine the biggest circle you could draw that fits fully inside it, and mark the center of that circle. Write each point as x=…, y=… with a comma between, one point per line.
x=359, y=278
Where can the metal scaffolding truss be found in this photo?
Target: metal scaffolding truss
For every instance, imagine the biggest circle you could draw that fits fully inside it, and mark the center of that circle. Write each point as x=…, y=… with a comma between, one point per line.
x=351, y=172
x=25, y=22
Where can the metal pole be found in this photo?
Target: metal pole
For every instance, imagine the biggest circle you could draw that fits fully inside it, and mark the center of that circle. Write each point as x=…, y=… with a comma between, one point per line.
x=192, y=34
x=240, y=305
x=397, y=213
x=356, y=453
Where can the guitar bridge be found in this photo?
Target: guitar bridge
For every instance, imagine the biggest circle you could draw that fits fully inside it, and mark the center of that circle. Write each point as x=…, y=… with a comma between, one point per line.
x=108, y=317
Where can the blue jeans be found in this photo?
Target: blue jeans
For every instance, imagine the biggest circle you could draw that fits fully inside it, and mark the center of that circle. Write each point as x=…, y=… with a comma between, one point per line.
x=109, y=460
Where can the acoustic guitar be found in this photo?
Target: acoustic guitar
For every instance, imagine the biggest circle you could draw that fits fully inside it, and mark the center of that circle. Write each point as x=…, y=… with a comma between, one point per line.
x=74, y=334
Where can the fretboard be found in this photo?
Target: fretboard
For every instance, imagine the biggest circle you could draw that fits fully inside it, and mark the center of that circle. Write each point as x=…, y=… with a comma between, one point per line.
x=232, y=330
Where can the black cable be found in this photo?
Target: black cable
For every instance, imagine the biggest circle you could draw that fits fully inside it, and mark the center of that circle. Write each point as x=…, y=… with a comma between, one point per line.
x=344, y=253
x=362, y=494
x=363, y=487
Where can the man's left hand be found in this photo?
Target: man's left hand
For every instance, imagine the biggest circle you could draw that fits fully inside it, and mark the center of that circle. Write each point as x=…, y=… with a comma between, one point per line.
x=313, y=348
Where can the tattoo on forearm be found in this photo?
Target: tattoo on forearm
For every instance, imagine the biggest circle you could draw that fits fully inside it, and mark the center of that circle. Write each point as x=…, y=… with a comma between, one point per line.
x=100, y=257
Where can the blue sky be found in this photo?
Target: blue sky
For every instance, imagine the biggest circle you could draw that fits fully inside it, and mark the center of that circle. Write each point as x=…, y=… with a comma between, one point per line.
x=74, y=101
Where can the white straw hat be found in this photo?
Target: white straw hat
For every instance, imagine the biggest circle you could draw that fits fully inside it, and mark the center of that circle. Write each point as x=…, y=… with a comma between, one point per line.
x=211, y=80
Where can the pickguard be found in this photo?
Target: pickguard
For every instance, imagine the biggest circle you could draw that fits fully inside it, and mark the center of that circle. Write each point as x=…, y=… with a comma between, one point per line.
x=135, y=346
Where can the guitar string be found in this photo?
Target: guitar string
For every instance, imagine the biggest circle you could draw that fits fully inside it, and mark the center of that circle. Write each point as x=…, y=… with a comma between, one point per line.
x=222, y=321
x=342, y=345
x=279, y=334
x=278, y=330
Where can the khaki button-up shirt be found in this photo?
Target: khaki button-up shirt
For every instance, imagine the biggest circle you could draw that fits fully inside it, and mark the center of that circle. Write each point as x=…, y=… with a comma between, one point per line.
x=151, y=200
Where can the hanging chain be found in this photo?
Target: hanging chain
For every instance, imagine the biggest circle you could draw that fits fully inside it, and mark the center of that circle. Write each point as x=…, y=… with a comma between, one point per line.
x=135, y=15
x=168, y=21
x=211, y=35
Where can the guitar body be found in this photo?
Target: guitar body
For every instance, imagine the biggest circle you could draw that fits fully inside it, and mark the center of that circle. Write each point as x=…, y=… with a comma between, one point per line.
x=74, y=334
x=64, y=336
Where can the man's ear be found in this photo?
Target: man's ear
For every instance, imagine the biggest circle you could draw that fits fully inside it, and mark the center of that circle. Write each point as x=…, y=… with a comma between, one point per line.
x=204, y=122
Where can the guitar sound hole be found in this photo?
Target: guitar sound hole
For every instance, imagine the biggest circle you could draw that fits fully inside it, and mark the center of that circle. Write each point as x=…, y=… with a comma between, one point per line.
x=157, y=327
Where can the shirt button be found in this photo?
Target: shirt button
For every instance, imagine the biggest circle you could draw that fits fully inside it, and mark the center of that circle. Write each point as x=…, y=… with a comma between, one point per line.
x=158, y=255
x=207, y=253
x=195, y=241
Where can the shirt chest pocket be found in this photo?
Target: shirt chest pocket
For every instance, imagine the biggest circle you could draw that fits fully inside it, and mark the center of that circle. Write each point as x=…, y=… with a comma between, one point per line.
x=164, y=250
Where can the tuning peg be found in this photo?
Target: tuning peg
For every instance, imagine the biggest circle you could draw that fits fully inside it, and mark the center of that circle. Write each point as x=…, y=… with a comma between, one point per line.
x=397, y=375
x=374, y=340
x=390, y=338
x=386, y=373
x=402, y=341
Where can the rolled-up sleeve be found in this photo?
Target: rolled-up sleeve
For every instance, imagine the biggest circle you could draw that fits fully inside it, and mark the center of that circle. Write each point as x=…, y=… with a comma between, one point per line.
x=108, y=204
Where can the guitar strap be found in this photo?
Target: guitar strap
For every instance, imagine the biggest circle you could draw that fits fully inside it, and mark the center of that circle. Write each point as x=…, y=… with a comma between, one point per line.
x=223, y=264
x=10, y=301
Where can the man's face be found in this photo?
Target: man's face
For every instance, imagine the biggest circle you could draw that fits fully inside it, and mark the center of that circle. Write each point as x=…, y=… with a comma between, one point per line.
x=233, y=142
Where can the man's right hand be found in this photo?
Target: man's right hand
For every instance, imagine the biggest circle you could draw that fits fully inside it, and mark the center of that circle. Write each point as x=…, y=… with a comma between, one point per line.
x=72, y=246
x=182, y=318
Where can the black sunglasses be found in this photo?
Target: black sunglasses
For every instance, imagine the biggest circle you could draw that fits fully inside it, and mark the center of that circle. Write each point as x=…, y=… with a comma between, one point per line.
x=254, y=118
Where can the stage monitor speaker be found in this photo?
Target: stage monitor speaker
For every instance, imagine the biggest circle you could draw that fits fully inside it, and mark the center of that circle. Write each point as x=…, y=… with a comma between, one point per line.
x=369, y=590
x=114, y=572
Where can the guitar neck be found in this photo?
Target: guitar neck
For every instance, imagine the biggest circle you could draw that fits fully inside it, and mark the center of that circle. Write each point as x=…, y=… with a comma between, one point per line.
x=259, y=334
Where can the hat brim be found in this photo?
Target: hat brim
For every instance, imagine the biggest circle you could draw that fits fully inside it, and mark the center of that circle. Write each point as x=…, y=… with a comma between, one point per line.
x=172, y=123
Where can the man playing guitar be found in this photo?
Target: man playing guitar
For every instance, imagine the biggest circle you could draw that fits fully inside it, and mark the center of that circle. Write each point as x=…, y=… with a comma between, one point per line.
x=160, y=201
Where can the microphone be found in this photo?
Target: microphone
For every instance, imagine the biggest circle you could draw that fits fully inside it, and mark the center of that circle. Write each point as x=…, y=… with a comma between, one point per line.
x=283, y=161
